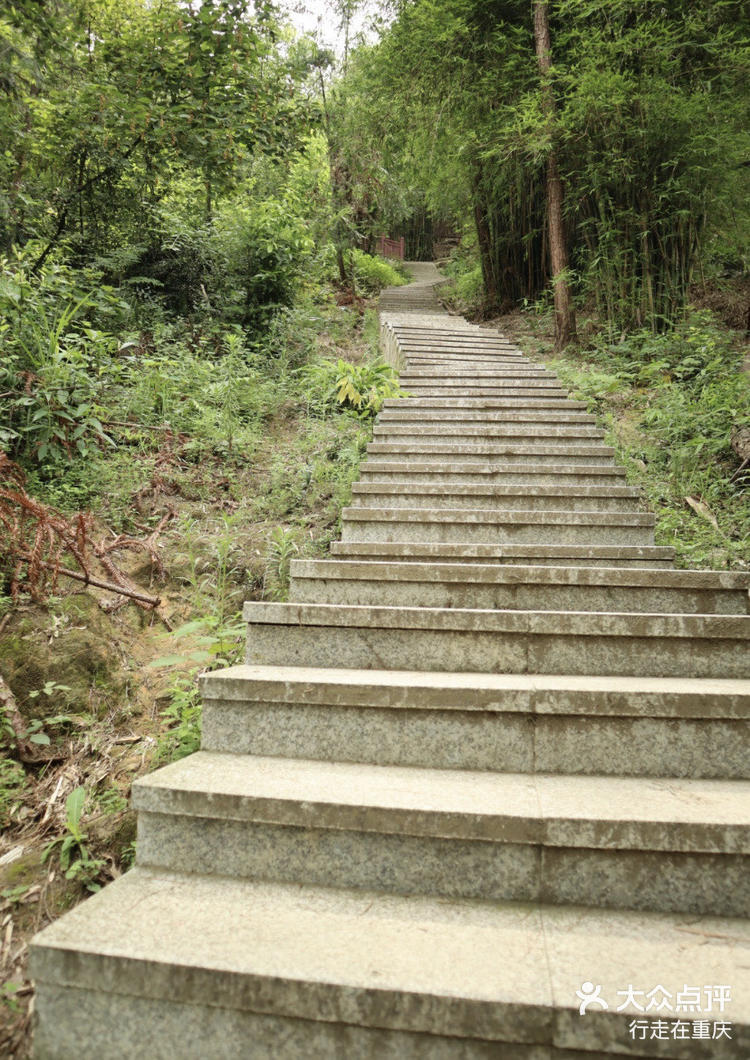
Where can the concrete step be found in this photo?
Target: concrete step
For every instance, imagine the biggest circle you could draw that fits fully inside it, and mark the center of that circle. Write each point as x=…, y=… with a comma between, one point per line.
x=486, y=403
x=497, y=498
x=467, y=344
x=439, y=416
x=659, y=845
x=446, y=418
x=650, y=557
x=460, y=361
x=479, y=377
x=544, y=642
x=530, y=475
x=201, y=966
x=517, y=723
x=439, y=333
x=513, y=388
x=487, y=526
x=490, y=452
x=528, y=588
x=535, y=432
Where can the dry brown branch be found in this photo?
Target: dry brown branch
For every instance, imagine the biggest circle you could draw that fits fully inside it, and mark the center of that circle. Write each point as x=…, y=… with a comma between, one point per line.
x=39, y=538
x=99, y=583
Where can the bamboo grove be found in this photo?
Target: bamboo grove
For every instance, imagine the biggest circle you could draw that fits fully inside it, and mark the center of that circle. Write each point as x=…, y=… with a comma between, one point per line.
x=642, y=107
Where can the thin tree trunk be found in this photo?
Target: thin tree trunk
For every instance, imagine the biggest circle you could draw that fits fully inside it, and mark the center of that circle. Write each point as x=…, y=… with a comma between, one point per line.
x=565, y=323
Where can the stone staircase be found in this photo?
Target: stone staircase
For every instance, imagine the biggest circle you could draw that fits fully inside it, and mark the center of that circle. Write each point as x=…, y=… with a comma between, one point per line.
x=491, y=762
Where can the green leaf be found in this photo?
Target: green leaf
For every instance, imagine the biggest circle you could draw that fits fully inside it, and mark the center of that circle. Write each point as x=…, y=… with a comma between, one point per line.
x=74, y=808
x=167, y=660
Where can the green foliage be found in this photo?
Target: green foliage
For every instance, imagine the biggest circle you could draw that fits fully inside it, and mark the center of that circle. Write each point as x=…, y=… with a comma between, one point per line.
x=72, y=849
x=183, y=718
x=13, y=784
x=282, y=547
x=464, y=288
x=264, y=247
x=358, y=388
x=51, y=374
x=681, y=394
x=372, y=273
x=213, y=641
x=649, y=133
x=130, y=98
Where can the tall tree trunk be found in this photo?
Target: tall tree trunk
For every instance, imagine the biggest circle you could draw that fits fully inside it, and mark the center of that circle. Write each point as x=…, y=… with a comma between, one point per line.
x=565, y=321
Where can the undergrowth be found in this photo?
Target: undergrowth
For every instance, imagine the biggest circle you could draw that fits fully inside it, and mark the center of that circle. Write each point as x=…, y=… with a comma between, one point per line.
x=250, y=450
x=672, y=404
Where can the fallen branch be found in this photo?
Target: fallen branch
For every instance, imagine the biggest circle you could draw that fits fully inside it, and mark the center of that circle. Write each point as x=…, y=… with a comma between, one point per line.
x=99, y=583
x=38, y=537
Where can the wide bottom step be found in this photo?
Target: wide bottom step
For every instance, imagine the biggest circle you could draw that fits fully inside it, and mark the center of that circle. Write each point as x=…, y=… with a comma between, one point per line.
x=170, y=965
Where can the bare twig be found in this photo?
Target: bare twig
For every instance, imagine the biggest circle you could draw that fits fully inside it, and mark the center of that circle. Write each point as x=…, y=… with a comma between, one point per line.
x=39, y=537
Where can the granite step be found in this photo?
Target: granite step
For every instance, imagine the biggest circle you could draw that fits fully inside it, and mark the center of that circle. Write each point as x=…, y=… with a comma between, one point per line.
x=501, y=474
x=512, y=723
x=488, y=526
x=437, y=336
x=485, y=403
x=497, y=389
x=209, y=964
x=498, y=498
x=467, y=344
x=535, y=432
x=438, y=416
x=490, y=452
x=460, y=361
x=476, y=376
x=527, y=588
x=445, y=418
x=649, y=557
x=613, y=842
x=484, y=641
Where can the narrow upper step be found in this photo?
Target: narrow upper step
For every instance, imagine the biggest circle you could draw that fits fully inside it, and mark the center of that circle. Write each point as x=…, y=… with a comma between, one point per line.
x=569, y=498
x=495, y=526
x=513, y=450
x=517, y=472
x=495, y=641
x=419, y=431
x=647, y=556
x=485, y=403
x=518, y=587
x=467, y=416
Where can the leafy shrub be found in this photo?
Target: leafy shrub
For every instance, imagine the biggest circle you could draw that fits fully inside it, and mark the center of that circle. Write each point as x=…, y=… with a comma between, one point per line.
x=342, y=386
x=465, y=287
x=263, y=249
x=372, y=273
x=54, y=363
x=672, y=401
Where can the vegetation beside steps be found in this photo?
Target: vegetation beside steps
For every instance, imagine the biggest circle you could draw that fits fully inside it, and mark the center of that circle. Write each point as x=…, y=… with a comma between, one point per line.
x=243, y=459
x=676, y=407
